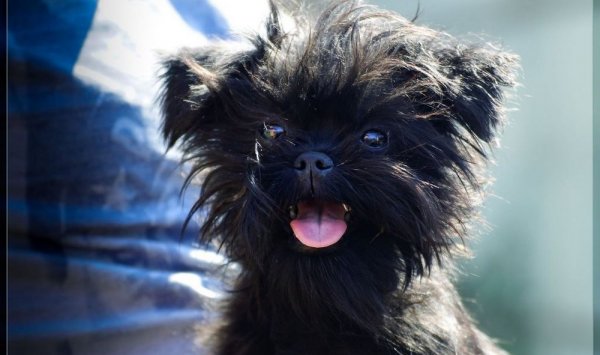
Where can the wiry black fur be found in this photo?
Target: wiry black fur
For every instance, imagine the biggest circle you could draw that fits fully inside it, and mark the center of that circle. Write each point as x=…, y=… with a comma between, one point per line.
x=328, y=81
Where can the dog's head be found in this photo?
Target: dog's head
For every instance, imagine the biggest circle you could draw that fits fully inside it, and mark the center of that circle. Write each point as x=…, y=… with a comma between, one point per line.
x=355, y=134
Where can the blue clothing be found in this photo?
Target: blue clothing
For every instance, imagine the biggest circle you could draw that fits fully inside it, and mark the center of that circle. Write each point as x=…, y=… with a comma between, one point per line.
x=97, y=263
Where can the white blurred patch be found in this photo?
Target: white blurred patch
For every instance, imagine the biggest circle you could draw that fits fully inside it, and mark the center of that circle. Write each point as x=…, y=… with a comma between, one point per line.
x=122, y=51
x=207, y=256
x=121, y=54
x=243, y=16
x=194, y=282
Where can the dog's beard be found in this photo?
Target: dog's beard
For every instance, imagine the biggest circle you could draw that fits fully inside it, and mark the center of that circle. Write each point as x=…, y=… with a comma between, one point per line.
x=329, y=290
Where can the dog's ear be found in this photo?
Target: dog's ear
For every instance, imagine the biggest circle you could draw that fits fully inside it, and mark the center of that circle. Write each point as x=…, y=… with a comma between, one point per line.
x=477, y=79
x=187, y=98
x=200, y=86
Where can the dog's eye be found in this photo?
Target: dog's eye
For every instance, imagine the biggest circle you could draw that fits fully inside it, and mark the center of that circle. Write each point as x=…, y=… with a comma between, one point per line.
x=374, y=138
x=272, y=131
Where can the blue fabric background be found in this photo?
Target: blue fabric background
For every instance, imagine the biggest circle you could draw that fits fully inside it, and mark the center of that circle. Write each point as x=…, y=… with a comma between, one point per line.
x=95, y=217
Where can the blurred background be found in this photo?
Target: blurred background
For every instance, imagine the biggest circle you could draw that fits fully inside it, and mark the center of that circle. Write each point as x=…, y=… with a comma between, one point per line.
x=530, y=281
x=96, y=264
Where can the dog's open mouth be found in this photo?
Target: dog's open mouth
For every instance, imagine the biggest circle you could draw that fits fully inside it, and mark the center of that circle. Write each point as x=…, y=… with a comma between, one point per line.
x=319, y=224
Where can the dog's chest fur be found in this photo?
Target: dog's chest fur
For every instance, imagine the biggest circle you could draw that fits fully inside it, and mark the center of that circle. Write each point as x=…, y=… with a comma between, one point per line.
x=427, y=319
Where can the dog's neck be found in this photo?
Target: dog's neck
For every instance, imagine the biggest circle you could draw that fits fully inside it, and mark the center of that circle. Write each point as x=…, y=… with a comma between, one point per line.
x=311, y=325
x=306, y=325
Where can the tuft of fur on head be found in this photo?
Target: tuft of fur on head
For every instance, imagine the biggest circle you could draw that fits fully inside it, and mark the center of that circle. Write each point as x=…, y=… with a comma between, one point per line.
x=327, y=82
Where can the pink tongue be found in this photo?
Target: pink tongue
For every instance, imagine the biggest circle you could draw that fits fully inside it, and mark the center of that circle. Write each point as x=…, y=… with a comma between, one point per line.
x=319, y=225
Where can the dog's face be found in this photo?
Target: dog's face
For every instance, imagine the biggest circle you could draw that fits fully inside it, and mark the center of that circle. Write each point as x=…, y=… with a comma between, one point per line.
x=349, y=146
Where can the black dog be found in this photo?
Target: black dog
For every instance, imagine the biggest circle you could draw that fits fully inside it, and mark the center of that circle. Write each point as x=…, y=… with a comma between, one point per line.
x=340, y=169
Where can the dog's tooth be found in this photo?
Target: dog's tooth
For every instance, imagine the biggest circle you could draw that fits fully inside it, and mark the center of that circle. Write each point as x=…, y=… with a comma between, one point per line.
x=293, y=211
x=347, y=216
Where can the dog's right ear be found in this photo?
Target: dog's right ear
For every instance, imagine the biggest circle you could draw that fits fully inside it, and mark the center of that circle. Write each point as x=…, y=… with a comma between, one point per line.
x=187, y=98
x=193, y=82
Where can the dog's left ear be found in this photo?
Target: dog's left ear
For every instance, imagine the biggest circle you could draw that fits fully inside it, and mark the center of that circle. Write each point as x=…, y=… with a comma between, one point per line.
x=477, y=77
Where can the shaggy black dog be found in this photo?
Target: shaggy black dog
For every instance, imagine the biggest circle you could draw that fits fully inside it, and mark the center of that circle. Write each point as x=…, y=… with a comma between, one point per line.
x=339, y=165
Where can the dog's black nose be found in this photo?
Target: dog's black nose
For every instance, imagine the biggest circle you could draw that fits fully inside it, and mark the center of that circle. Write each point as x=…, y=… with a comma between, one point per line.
x=313, y=164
